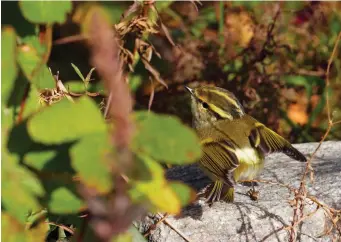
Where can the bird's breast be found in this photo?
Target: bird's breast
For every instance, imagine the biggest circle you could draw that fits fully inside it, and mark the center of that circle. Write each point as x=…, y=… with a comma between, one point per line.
x=251, y=162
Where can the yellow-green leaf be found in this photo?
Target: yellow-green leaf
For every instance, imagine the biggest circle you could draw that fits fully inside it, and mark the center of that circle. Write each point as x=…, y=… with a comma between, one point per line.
x=45, y=12
x=39, y=159
x=66, y=121
x=8, y=62
x=165, y=138
x=14, y=231
x=156, y=189
x=32, y=102
x=30, y=59
x=89, y=158
x=20, y=188
x=184, y=193
x=64, y=201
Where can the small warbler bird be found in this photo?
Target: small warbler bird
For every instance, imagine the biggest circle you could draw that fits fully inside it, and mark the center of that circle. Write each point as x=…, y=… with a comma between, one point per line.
x=234, y=144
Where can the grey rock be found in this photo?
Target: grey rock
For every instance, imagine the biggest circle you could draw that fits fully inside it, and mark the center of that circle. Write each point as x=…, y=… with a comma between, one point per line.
x=261, y=220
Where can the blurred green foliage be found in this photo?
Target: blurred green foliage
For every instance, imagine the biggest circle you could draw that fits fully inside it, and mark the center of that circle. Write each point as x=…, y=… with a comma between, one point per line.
x=273, y=56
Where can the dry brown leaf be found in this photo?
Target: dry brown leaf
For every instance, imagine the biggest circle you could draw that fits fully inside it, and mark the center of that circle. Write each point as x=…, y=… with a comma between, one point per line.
x=240, y=27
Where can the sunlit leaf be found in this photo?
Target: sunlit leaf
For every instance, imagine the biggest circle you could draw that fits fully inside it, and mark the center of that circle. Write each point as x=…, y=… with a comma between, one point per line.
x=79, y=87
x=34, y=42
x=165, y=138
x=11, y=229
x=32, y=102
x=136, y=235
x=135, y=82
x=183, y=192
x=124, y=237
x=20, y=188
x=14, y=231
x=30, y=61
x=45, y=12
x=156, y=189
x=89, y=159
x=66, y=121
x=75, y=86
x=39, y=159
x=8, y=62
x=64, y=201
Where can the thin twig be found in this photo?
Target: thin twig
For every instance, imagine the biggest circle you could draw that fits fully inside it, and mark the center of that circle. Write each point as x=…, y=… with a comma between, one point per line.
x=151, y=98
x=155, y=225
x=108, y=105
x=327, y=74
x=71, y=231
x=302, y=193
x=70, y=39
x=167, y=222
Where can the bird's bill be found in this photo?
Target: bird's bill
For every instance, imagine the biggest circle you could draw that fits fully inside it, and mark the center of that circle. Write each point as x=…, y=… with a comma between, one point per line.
x=189, y=89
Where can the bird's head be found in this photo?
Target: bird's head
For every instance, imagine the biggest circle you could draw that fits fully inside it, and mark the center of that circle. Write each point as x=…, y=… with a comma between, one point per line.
x=210, y=104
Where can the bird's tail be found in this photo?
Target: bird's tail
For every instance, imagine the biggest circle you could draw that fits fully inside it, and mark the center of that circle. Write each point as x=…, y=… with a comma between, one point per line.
x=292, y=152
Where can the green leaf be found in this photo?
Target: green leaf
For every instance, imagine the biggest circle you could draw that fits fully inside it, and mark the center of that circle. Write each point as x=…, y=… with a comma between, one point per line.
x=75, y=86
x=64, y=201
x=79, y=87
x=294, y=5
x=335, y=25
x=39, y=159
x=79, y=73
x=34, y=42
x=32, y=102
x=97, y=87
x=123, y=237
x=66, y=121
x=165, y=138
x=114, y=10
x=162, y=5
x=31, y=63
x=136, y=235
x=156, y=190
x=246, y=4
x=20, y=188
x=8, y=62
x=50, y=160
x=89, y=160
x=183, y=192
x=45, y=12
x=135, y=82
x=304, y=80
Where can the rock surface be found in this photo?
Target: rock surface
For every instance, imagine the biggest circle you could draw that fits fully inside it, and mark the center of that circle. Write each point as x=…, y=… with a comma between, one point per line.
x=262, y=220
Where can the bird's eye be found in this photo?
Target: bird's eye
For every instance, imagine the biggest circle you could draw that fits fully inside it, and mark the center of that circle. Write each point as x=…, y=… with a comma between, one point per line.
x=204, y=105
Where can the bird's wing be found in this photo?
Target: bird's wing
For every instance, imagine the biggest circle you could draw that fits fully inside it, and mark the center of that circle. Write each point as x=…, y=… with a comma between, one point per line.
x=220, y=159
x=269, y=141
